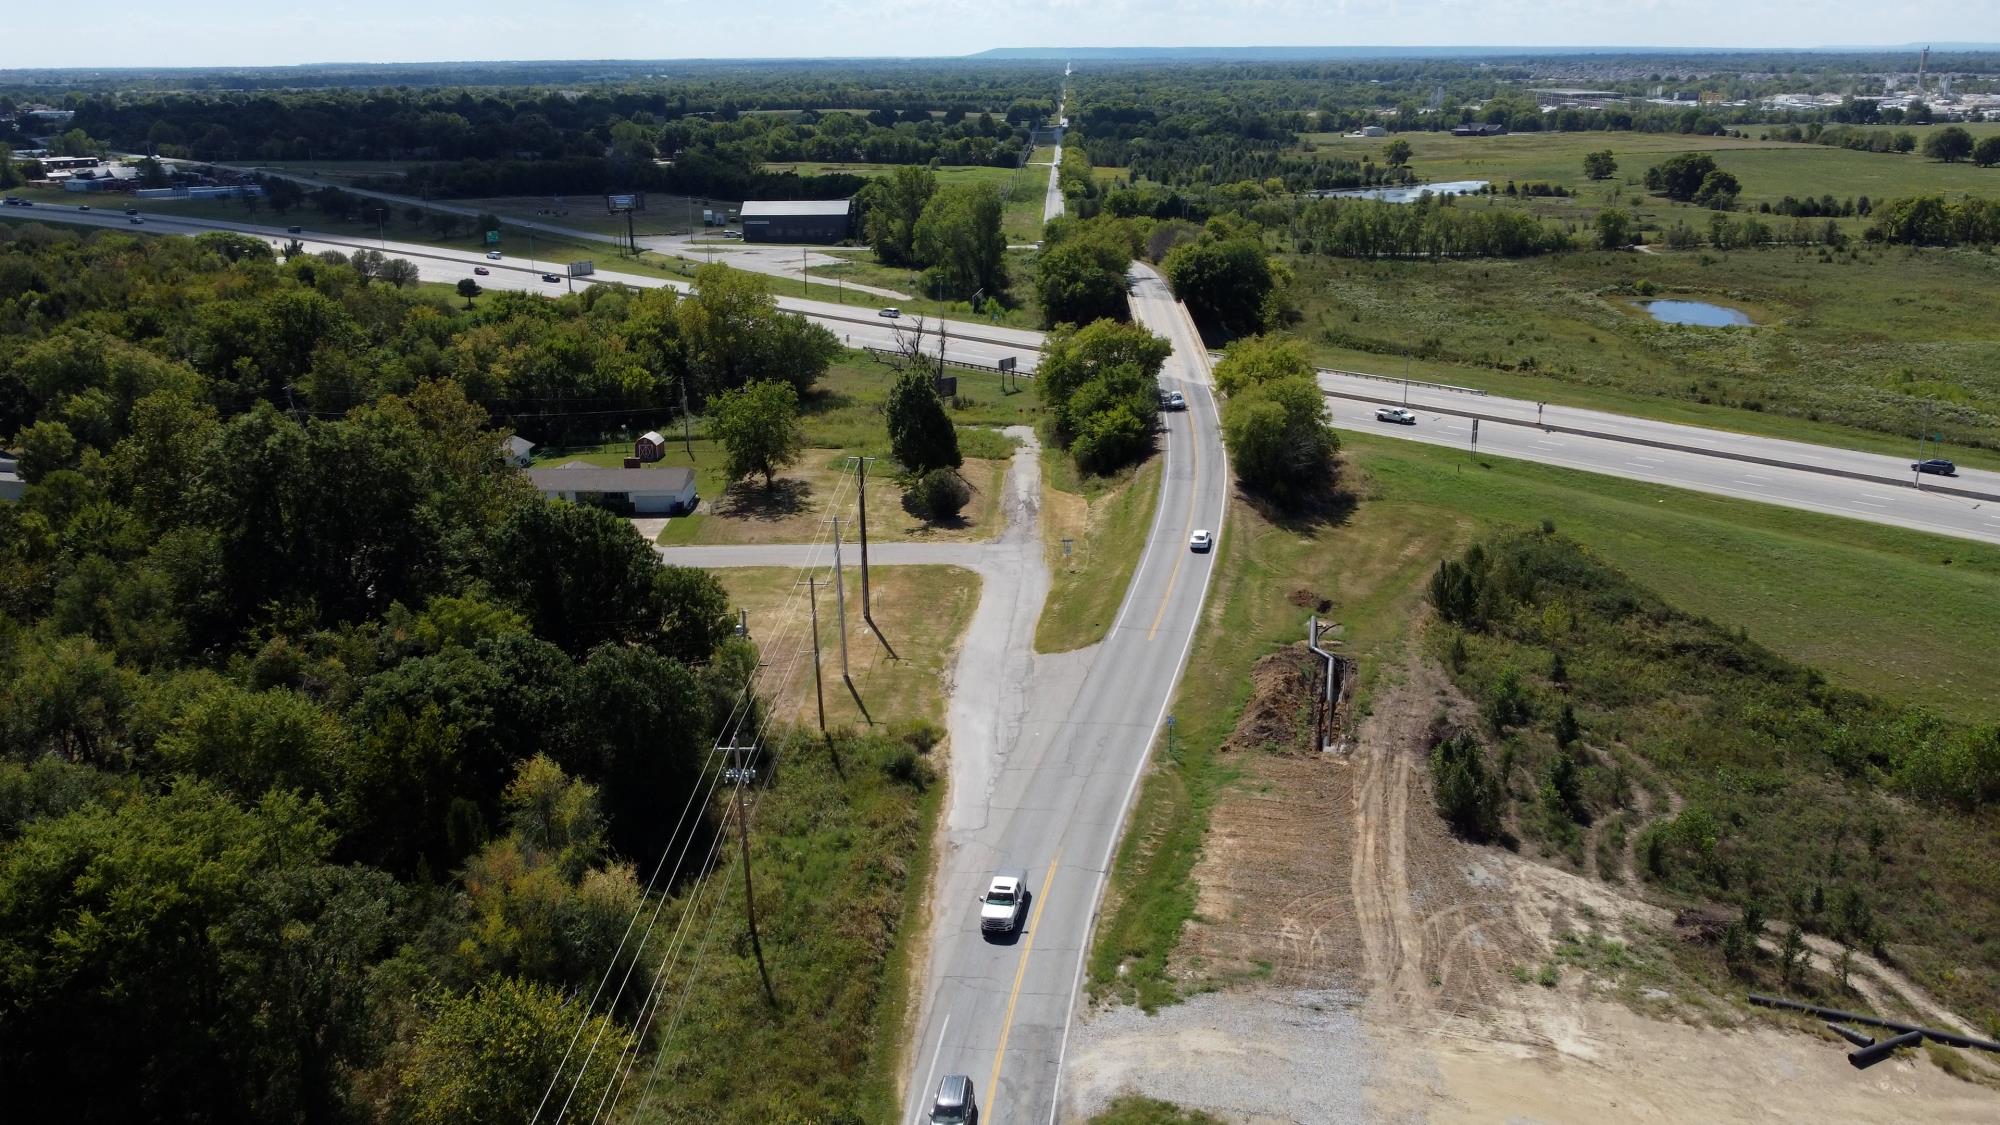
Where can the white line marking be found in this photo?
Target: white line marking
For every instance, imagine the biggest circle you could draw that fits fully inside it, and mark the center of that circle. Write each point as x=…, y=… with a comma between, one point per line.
x=1886, y=499
x=1864, y=504
x=925, y=1088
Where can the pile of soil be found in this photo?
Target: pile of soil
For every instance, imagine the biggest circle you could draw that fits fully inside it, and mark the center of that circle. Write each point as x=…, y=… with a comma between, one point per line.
x=1279, y=716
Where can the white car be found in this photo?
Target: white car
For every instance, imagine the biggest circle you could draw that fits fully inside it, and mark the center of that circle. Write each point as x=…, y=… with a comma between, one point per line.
x=1396, y=414
x=493, y=255
x=1201, y=541
x=1176, y=401
x=892, y=314
x=1005, y=901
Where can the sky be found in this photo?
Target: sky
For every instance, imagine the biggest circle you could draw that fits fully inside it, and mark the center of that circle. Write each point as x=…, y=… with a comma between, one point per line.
x=119, y=33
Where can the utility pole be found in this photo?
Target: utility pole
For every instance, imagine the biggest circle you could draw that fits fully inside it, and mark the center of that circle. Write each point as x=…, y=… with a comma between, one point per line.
x=840, y=603
x=819, y=692
x=687, y=423
x=749, y=894
x=867, y=608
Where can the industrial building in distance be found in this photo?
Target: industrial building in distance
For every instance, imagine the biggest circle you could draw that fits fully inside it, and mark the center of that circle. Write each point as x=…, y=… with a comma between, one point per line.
x=797, y=220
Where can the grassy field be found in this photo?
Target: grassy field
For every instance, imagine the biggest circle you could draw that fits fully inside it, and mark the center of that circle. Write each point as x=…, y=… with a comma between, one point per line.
x=921, y=610
x=1882, y=342
x=1106, y=535
x=1020, y=188
x=1899, y=614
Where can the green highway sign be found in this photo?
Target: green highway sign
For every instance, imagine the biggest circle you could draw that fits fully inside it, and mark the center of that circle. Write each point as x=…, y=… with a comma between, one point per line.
x=492, y=238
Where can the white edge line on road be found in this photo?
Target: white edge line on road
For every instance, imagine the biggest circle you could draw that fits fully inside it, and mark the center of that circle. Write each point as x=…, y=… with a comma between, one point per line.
x=931, y=1074
x=1111, y=849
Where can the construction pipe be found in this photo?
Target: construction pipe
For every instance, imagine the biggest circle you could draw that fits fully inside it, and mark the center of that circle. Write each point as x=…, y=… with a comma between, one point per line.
x=1865, y=1057
x=1851, y=1035
x=1935, y=1035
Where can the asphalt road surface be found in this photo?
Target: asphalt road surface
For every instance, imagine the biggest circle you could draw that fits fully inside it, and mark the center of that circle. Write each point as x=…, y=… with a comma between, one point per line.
x=1867, y=486
x=999, y=1009
x=856, y=326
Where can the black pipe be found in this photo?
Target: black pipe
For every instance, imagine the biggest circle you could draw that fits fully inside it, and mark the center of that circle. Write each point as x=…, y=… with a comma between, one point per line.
x=1851, y=1035
x=1949, y=1038
x=1866, y=1057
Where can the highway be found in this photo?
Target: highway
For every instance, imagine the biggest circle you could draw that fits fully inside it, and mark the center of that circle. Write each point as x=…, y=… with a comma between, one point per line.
x=857, y=326
x=1838, y=482
x=1059, y=787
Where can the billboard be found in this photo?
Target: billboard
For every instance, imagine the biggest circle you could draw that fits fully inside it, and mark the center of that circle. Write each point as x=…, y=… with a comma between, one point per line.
x=633, y=201
x=583, y=268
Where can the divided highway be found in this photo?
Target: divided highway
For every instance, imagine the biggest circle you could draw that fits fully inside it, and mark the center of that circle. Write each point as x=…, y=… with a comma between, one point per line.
x=999, y=1010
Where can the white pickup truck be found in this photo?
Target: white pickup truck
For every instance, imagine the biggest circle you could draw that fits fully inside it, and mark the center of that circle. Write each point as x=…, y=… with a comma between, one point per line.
x=1001, y=907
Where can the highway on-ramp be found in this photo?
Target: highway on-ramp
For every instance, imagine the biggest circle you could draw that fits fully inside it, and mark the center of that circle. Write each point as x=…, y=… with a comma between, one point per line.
x=999, y=1010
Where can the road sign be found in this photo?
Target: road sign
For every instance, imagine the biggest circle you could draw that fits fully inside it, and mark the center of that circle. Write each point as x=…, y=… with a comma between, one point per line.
x=1006, y=363
x=583, y=268
x=492, y=238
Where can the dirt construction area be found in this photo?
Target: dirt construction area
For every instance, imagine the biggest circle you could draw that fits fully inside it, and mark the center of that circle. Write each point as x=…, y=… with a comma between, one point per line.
x=1355, y=962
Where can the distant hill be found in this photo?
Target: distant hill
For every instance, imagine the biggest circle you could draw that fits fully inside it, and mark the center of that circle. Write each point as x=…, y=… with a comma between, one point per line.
x=1441, y=52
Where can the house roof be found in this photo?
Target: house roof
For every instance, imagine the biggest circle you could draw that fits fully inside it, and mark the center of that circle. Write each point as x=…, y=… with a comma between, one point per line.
x=576, y=477
x=515, y=443
x=792, y=208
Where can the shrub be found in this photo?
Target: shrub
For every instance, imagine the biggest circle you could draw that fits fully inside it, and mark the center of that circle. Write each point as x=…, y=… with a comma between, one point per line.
x=1466, y=792
x=1506, y=702
x=939, y=495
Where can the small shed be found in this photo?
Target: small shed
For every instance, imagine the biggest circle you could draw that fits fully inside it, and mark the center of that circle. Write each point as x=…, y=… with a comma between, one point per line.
x=630, y=492
x=518, y=450
x=650, y=446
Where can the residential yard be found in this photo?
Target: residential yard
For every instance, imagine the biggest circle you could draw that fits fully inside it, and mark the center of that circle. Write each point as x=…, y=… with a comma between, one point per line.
x=805, y=496
x=921, y=611
x=1863, y=349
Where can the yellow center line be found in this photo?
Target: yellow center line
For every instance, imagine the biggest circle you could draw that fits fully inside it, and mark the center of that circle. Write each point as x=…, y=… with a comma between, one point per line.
x=1194, y=448
x=1007, y=1023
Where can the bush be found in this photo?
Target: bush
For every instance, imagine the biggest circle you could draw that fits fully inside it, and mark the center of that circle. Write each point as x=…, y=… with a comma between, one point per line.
x=939, y=495
x=1506, y=703
x=1466, y=792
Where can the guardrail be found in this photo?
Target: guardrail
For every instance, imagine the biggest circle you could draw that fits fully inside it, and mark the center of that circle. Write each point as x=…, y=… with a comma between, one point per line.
x=888, y=354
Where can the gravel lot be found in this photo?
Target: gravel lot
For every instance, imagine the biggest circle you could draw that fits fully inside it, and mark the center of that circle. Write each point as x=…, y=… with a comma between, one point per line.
x=1262, y=1057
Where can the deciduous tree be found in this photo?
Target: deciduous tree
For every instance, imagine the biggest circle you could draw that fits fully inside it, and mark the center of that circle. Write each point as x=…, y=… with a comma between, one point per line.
x=758, y=426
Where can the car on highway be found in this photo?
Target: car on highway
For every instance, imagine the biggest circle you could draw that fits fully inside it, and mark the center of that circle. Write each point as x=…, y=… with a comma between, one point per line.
x=550, y=277
x=1201, y=541
x=83, y=206
x=10, y=201
x=890, y=313
x=1396, y=414
x=131, y=210
x=1004, y=903
x=135, y=220
x=481, y=270
x=295, y=230
x=1936, y=466
x=954, y=1103
x=1176, y=401
x=27, y=203
x=493, y=255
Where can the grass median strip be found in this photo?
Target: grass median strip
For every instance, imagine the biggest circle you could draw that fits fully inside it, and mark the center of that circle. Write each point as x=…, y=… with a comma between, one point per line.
x=1106, y=536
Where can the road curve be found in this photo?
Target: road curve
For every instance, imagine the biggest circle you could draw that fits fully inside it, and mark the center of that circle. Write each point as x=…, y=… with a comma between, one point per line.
x=999, y=1011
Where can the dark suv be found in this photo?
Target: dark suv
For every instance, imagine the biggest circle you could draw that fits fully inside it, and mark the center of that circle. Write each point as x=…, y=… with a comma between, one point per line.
x=1937, y=466
x=954, y=1104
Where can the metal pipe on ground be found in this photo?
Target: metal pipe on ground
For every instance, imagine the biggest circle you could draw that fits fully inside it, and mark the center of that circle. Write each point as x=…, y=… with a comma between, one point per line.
x=1864, y=1057
x=1936, y=1035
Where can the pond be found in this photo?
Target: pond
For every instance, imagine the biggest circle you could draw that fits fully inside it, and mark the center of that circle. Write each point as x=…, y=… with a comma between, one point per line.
x=1408, y=194
x=1698, y=313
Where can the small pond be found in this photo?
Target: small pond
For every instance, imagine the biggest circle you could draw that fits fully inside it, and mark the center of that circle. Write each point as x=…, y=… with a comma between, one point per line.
x=1409, y=194
x=1698, y=313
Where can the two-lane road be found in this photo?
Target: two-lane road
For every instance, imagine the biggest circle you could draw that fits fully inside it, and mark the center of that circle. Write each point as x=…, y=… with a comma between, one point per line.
x=999, y=1010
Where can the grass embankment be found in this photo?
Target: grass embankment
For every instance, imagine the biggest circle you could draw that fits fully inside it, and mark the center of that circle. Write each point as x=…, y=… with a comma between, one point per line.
x=921, y=611
x=1015, y=307
x=1879, y=609
x=1106, y=522
x=1863, y=351
x=1800, y=798
x=840, y=850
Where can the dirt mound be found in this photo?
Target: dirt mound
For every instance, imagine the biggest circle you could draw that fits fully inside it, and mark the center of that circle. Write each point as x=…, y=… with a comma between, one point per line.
x=1306, y=599
x=1279, y=716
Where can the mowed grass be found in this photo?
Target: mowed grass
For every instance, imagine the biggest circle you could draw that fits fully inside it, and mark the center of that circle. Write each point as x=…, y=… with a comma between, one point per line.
x=1105, y=537
x=1021, y=189
x=922, y=612
x=1888, y=342
x=1877, y=609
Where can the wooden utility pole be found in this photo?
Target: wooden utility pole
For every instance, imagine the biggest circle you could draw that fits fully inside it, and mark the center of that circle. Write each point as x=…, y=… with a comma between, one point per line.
x=819, y=692
x=749, y=894
x=840, y=602
x=867, y=608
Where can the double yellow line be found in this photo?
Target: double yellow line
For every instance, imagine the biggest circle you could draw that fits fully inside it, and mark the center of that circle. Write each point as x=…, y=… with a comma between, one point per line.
x=1020, y=974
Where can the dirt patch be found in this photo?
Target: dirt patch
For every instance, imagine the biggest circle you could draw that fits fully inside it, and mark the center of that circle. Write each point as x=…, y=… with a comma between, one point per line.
x=1284, y=687
x=1306, y=599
